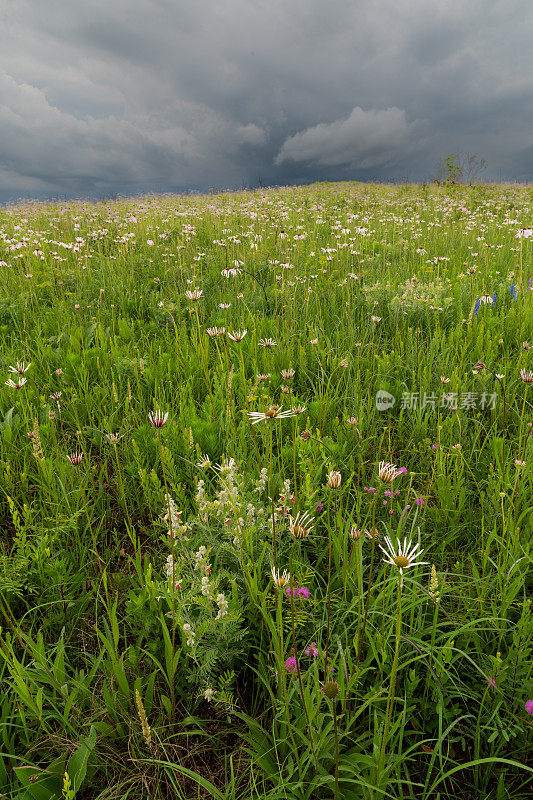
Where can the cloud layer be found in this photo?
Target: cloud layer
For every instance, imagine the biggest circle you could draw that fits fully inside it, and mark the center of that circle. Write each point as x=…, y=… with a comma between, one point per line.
x=163, y=95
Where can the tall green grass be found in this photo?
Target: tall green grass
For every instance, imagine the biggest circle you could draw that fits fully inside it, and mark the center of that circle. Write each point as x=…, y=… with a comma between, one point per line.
x=145, y=649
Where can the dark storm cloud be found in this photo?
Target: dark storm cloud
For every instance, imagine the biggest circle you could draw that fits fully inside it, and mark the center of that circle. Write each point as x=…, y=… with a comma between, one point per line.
x=117, y=96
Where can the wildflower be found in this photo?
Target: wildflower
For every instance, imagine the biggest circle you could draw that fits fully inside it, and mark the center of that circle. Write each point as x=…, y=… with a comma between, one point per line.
x=267, y=343
x=419, y=501
x=56, y=396
x=491, y=682
x=312, y=651
x=319, y=507
x=75, y=459
x=287, y=374
x=21, y=368
x=444, y=380
x=375, y=319
x=529, y=706
x=204, y=462
x=36, y=441
x=303, y=591
x=216, y=331
x=334, y=480
x=59, y=371
x=388, y=472
x=190, y=633
x=292, y=665
x=209, y=694
x=402, y=557
x=355, y=532
x=331, y=689
x=526, y=345
x=280, y=580
x=305, y=435
x=274, y=412
x=434, y=585
x=237, y=336
x=18, y=385
x=373, y=533
x=300, y=527
x=196, y=294
x=526, y=376
x=142, y=716
x=222, y=604
x=157, y=419
x=524, y=233
x=352, y=421
x=518, y=463
x=298, y=409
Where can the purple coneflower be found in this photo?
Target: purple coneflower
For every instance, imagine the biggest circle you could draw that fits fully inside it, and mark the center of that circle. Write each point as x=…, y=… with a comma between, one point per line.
x=157, y=418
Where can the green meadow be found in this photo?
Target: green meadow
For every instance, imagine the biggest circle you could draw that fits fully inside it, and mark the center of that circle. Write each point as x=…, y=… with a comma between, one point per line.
x=266, y=474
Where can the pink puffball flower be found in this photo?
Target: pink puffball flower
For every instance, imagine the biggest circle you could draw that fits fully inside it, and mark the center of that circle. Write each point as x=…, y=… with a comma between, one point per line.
x=529, y=707
x=292, y=665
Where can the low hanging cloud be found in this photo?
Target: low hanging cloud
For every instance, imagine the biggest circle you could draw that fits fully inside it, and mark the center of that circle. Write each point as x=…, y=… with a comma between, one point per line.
x=366, y=139
x=167, y=95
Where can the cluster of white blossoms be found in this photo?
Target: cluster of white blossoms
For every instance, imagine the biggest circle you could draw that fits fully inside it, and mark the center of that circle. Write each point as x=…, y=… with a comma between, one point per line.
x=222, y=604
x=200, y=558
x=190, y=634
x=172, y=516
x=206, y=589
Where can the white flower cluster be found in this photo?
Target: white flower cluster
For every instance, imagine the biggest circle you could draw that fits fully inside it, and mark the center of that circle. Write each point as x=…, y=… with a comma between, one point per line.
x=209, y=694
x=261, y=483
x=200, y=558
x=206, y=589
x=190, y=634
x=222, y=604
x=172, y=516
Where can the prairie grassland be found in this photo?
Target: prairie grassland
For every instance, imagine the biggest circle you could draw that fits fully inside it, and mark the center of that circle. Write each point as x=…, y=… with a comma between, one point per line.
x=266, y=479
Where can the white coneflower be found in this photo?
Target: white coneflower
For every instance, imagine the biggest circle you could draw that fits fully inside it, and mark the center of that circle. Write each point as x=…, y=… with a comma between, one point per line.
x=195, y=294
x=526, y=346
x=157, y=418
x=237, y=336
x=267, y=343
x=204, y=462
x=375, y=319
x=300, y=527
x=274, y=412
x=526, y=376
x=444, y=380
x=75, y=458
x=113, y=437
x=299, y=409
x=402, y=556
x=388, y=472
x=355, y=532
x=280, y=580
x=287, y=374
x=344, y=362
x=373, y=533
x=216, y=331
x=16, y=385
x=352, y=420
x=20, y=368
x=263, y=376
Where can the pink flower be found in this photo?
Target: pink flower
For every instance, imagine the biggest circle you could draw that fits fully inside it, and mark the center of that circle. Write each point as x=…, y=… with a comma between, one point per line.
x=292, y=665
x=529, y=706
x=491, y=682
x=419, y=501
x=312, y=650
x=303, y=591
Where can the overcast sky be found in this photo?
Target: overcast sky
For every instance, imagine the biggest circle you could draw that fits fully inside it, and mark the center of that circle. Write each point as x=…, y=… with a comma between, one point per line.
x=127, y=96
